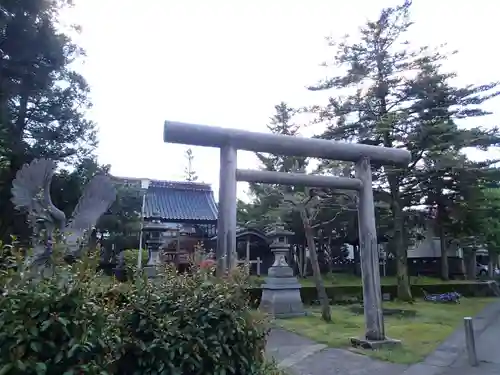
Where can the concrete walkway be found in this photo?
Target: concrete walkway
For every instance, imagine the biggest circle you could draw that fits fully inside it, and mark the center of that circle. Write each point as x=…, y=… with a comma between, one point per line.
x=450, y=358
x=300, y=356
x=488, y=350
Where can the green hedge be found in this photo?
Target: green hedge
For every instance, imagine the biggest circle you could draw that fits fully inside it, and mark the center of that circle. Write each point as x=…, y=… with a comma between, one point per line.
x=354, y=293
x=77, y=323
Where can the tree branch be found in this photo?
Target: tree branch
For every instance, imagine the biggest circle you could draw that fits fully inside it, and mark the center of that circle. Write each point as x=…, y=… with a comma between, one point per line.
x=328, y=221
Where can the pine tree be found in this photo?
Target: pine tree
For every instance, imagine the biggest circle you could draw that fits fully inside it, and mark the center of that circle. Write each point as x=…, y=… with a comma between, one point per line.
x=189, y=173
x=385, y=103
x=434, y=180
x=282, y=123
x=263, y=200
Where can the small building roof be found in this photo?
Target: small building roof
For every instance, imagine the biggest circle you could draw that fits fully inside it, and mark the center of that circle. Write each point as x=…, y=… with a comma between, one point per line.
x=175, y=201
x=180, y=202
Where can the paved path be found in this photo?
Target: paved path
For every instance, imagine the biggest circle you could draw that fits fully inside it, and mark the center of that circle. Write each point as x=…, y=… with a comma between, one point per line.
x=488, y=351
x=300, y=356
x=450, y=358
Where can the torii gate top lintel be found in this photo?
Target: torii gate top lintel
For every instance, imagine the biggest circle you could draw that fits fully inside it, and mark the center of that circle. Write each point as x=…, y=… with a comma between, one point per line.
x=212, y=136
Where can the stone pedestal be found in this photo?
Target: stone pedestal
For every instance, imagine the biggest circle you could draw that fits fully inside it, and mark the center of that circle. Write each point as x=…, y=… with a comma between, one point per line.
x=150, y=270
x=120, y=269
x=281, y=290
x=366, y=343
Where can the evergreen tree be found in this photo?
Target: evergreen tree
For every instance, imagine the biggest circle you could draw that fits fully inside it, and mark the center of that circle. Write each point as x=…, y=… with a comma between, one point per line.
x=449, y=185
x=394, y=96
x=470, y=208
x=433, y=181
x=263, y=199
x=282, y=123
x=189, y=173
x=42, y=99
x=490, y=217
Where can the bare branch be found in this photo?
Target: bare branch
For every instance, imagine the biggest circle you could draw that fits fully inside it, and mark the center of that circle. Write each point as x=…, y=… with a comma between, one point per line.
x=313, y=214
x=328, y=221
x=308, y=200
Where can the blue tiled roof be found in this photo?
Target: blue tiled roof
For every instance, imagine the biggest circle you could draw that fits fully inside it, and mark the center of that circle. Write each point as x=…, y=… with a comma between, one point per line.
x=180, y=201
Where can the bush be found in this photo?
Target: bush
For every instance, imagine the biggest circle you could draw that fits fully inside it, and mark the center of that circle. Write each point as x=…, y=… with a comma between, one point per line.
x=51, y=326
x=77, y=322
x=190, y=324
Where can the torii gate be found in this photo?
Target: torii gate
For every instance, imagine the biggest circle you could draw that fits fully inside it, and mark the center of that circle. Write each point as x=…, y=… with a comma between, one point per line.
x=231, y=140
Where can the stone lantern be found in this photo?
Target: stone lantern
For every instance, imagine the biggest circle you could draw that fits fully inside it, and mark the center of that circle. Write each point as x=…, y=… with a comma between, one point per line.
x=155, y=239
x=281, y=290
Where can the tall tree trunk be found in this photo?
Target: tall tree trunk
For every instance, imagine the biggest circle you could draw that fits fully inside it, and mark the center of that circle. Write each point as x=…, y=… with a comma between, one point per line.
x=357, y=260
x=491, y=264
x=320, y=286
x=300, y=260
x=330, y=255
x=471, y=264
x=320, y=250
x=305, y=260
x=399, y=246
x=445, y=267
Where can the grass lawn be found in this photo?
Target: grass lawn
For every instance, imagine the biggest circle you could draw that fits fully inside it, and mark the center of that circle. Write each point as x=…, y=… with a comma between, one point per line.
x=420, y=335
x=350, y=279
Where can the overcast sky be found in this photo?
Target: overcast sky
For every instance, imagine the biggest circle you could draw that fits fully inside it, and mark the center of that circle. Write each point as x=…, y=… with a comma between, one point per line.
x=228, y=62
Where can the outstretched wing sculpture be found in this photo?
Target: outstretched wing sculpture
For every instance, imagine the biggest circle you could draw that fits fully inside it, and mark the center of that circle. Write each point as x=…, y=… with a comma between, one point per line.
x=31, y=194
x=96, y=199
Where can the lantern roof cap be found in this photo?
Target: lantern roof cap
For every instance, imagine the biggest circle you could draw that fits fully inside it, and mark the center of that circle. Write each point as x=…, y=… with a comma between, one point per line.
x=279, y=231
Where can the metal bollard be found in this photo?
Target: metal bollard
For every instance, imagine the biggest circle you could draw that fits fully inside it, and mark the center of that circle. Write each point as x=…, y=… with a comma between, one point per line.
x=470, y=341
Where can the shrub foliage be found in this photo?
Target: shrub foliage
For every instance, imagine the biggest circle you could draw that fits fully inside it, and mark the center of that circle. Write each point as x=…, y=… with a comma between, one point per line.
x=79, y=322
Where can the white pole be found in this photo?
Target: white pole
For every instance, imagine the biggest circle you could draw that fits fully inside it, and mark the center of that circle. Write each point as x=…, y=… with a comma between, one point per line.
x=470, y=342
x=139, y=257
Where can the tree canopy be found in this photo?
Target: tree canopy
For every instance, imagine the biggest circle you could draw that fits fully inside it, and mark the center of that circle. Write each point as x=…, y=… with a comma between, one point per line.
x=43, y=100
x=386, y=92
